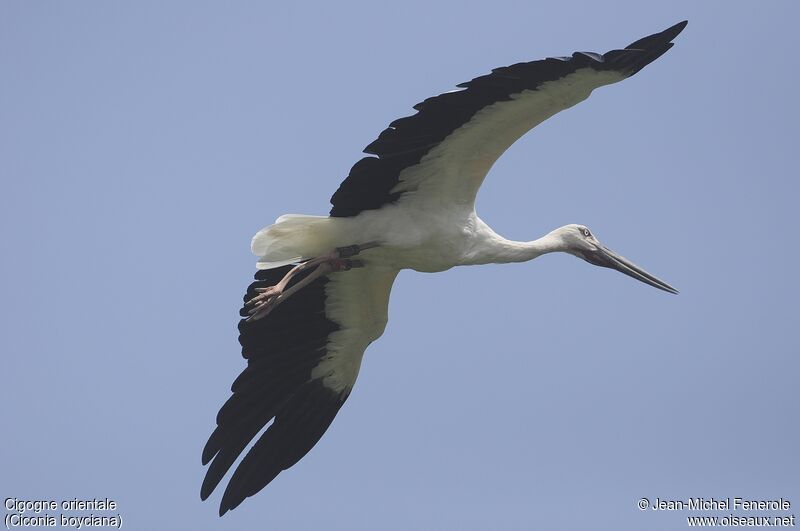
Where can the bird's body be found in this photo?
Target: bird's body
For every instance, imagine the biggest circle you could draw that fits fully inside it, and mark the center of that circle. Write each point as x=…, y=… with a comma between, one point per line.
x=321, y=295
x=428, y=242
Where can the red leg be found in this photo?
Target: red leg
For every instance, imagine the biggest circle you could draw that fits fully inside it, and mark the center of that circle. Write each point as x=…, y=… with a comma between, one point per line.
x=270, y=297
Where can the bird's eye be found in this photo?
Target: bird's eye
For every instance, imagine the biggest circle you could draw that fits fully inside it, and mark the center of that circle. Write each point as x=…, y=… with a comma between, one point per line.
x=586, y=233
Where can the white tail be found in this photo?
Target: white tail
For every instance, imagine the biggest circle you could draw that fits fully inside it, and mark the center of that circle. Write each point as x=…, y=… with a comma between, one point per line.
x=292, y=238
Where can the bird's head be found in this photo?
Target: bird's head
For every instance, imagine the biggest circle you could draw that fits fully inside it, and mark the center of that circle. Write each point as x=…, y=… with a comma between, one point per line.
x=578, y=240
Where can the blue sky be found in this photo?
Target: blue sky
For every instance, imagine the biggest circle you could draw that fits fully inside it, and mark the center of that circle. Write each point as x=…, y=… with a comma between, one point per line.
x=143, y=143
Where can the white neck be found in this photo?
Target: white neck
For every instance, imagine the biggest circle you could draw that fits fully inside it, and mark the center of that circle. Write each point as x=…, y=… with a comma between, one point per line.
x=494, y=249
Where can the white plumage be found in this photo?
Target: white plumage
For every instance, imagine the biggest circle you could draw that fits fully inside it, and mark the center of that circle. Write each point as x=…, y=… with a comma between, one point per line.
x=322, y=292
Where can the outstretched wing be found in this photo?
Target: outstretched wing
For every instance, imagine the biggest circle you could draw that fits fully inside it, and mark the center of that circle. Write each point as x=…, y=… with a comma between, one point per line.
x=442, y=153
x=302, y=362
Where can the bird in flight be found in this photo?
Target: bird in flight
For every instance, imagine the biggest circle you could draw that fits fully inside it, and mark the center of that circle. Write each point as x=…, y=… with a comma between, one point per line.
x=321, y=294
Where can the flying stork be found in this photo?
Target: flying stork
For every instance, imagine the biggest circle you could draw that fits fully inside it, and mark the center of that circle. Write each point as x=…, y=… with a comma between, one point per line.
x=321, y=292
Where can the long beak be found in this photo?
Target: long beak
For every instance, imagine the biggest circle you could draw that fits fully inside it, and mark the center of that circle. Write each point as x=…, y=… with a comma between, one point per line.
x=605, y=257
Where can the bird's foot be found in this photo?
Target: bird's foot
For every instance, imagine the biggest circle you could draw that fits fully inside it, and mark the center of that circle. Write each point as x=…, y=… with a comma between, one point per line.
x=265, y=302
x=265, y=295
x=270, y=297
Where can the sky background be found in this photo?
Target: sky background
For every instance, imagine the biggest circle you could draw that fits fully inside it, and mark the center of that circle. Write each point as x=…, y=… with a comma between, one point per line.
x=143, y=143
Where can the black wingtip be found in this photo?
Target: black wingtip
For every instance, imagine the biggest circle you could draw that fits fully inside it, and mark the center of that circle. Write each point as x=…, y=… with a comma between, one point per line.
x=676, y=29
x=212, y=446
x=641, y=53
x=205, y=491
x=673, y=31
x=230, y=502
x=658, y=39
x=231, y=499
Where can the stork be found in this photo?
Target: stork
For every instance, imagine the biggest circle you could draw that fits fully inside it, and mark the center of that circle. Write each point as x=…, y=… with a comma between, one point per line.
x=321, y=292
